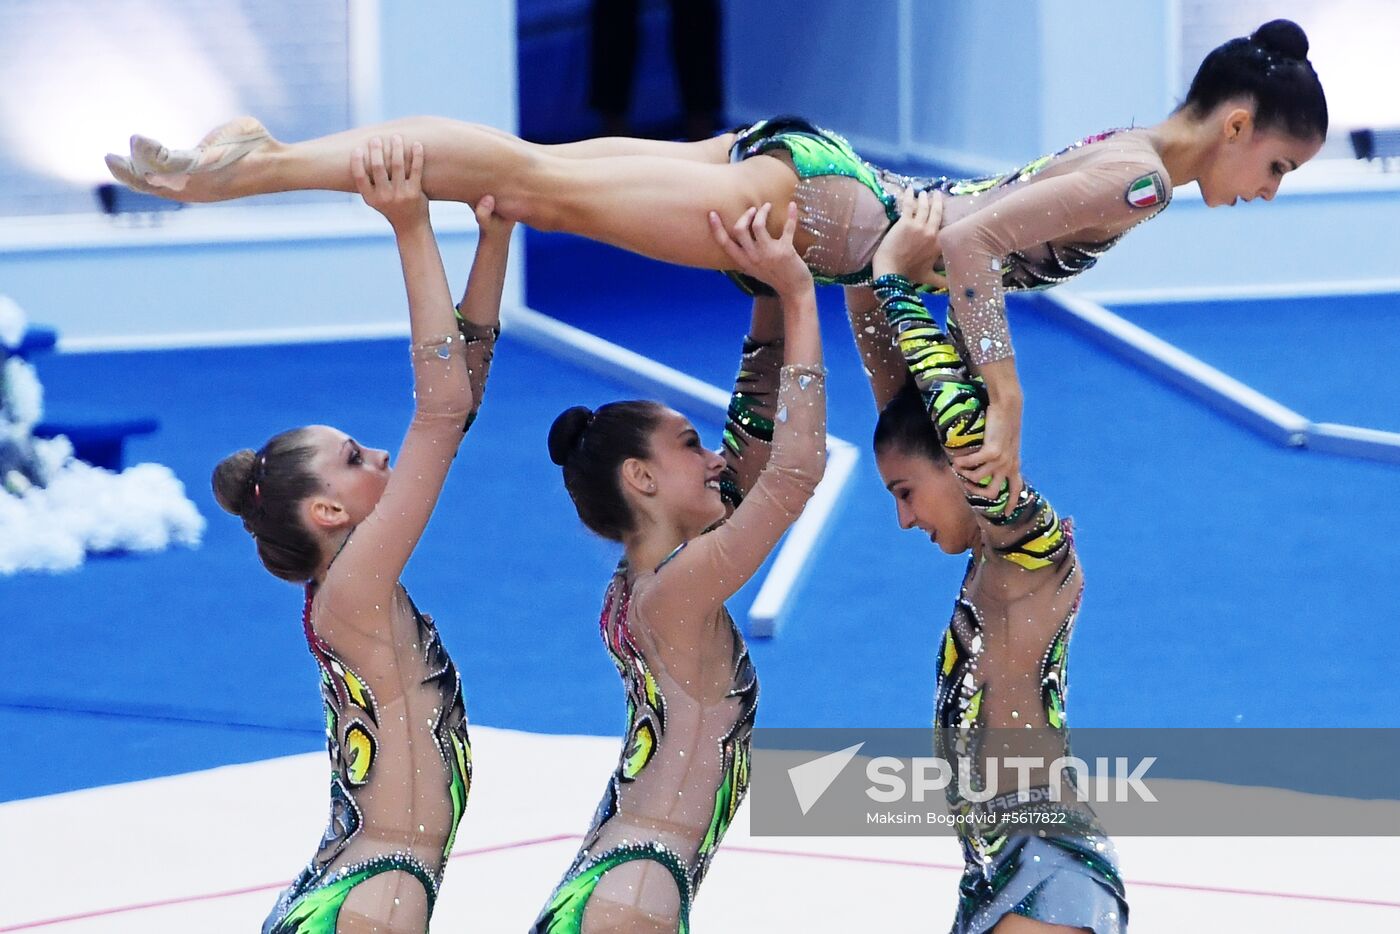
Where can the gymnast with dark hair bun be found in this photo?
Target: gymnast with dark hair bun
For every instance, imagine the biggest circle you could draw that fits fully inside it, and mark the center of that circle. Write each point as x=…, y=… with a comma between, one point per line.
x=1255, y=112
x=1036, y=859
x=330, y=513
x=694, y=525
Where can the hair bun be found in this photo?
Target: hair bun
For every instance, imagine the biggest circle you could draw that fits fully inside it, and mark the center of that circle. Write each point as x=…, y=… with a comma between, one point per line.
x=232, y=481
x=1282, y=37
x=567, y=430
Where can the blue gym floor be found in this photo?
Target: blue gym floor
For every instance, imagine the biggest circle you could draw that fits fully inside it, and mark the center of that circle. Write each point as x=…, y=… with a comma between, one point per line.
x=1329, y=359
x=1230, y=582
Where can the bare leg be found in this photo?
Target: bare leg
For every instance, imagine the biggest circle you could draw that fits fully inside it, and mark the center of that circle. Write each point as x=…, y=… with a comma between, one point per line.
x=650, y=203
x=714, y=151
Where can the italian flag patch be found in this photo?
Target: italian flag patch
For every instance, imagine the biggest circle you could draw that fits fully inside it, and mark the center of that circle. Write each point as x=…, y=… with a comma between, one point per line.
x=1147, y=191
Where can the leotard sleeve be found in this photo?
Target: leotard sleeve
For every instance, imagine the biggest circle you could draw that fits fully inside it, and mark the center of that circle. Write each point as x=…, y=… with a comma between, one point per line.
x=449, y=373
x=1095, y=201
x=748, y=429
x=479, y=346
x=450, y=358
x=1027, y=533
x=884, y=364
x=712, y=567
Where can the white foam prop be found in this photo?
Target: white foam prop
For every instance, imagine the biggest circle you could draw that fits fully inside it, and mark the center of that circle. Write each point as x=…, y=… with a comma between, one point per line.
x=11, y=323
x=87, y=509
x=78, y=508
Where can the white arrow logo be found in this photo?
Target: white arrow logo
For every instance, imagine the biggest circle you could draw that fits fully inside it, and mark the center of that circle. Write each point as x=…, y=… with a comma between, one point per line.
x=810, y=780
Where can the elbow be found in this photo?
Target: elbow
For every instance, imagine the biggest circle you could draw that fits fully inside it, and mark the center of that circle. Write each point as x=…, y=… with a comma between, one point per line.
x=431, y=408
x=818, y=470
x=792, y=484
x=955, y=242
x=452, y=387
x=962, y=245
x=808, y=472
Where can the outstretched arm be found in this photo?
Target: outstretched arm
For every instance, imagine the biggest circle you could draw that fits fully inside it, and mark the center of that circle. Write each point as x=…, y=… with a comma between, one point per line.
x=1092, y=202
x=479, y=312
x=901, y=252
x=1024, y=530
x=748, y=429
x=884, y=364
x=367, y=570
x=718, y=563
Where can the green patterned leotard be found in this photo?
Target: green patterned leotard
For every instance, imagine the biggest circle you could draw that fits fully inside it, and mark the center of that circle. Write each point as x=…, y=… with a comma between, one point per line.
x=1001, y=675
x=1029, y=228
x=690, y=685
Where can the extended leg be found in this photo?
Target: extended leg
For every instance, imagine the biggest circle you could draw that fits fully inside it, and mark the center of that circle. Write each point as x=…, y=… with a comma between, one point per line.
x=650, y=204
x=714, y=151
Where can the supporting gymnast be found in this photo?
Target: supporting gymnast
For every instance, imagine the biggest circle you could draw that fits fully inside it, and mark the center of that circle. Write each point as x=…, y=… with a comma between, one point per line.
x=1029, y=867
x=695, y=526
x=326, y=511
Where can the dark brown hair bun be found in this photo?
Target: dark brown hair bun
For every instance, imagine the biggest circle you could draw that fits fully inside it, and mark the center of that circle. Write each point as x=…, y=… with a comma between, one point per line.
x=567, y=430
x=1282, y=37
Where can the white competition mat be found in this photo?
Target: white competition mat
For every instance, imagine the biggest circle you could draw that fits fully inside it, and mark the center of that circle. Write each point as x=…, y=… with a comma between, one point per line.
x=209, y=851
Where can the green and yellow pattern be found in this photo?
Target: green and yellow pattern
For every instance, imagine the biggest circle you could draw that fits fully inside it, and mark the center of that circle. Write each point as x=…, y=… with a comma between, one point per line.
x=317, y=911
x=564, y=913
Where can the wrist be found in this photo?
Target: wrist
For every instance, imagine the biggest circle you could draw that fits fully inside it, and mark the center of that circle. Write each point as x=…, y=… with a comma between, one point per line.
x=794, y=289
x=797, y=276
x=793, y=297
x=495, y=236
x=1008, y=399
x=410, y=225
x=1003, y=385
x=888, y=280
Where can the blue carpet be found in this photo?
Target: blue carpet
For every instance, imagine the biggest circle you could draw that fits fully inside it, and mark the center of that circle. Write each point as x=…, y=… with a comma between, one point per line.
x=1229, y=582
x=1329, y=359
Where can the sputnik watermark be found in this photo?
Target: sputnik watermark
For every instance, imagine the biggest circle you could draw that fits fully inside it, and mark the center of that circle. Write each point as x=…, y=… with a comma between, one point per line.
x=933, y=774
x=1144, y=782
x=810, y=780
x=894, y=779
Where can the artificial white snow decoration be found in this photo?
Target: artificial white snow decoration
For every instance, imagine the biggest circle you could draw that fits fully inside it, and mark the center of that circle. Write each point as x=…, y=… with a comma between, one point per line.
x=55, y=509
x=88, y=509
x=12, y=323
x=21, y=394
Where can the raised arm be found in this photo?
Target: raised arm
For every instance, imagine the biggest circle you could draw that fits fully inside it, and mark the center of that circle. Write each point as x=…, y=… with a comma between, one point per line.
x=884, y=364
x=748, y=429
x=479, y=312
x=1026, y=530
x=715, y=565
x=368, y=568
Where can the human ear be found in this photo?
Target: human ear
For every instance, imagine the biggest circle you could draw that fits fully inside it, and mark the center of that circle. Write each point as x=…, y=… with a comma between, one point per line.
x=326, y=513
x=1239, y=123
x=637, y=475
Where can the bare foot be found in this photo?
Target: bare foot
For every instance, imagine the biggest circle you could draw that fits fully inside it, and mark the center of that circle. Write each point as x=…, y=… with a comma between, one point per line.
x=200, y=174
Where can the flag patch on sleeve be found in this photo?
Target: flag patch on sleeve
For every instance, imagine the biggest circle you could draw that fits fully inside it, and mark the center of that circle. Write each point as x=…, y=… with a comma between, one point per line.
x=1147, y=191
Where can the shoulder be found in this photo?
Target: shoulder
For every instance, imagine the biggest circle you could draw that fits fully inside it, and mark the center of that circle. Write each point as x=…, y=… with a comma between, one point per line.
x=661, y=580
x=350, y=605
x=1128, y=159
